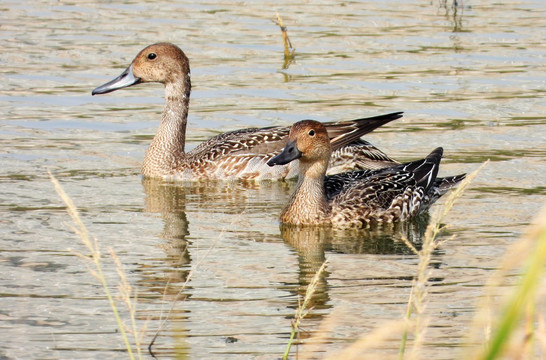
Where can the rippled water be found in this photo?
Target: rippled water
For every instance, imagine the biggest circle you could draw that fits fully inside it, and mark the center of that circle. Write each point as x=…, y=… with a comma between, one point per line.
x=469, y=79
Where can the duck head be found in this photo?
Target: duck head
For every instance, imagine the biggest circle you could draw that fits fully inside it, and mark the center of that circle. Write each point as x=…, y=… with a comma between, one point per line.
x=308, y=141
x=162, y=62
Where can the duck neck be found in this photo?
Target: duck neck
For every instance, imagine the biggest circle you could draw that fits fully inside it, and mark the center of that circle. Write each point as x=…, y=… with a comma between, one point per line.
x=166, y=152
x=308, y=204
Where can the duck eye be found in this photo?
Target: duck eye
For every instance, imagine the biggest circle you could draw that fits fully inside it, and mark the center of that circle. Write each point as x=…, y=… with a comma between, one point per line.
x=152, y=56
x=311, y=132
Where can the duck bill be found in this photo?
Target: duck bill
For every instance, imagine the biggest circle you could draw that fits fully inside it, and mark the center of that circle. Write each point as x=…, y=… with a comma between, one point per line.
x=288, y=154
x=127, y=78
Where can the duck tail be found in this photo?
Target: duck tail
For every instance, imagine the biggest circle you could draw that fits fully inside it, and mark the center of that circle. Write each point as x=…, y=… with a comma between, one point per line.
x=345, y=132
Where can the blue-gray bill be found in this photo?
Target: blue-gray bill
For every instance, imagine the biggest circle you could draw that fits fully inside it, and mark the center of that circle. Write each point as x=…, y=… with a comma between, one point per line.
x=288, y=154
x=127, y=78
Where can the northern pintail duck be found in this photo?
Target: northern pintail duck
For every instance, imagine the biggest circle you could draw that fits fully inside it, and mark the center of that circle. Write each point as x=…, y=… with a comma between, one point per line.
x=359, y=198
x=240, y=154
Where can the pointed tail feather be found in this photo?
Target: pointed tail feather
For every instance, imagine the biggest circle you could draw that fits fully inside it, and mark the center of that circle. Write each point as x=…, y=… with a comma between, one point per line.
x=442, y=185
x=425, y=170
x=344, y=132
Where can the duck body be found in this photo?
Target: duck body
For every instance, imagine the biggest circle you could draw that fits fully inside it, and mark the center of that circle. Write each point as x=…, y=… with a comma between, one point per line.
x=239, y=154
x=358, y=198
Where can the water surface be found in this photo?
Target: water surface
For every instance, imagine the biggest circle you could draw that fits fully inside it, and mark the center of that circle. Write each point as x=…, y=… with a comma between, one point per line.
x=470, y=80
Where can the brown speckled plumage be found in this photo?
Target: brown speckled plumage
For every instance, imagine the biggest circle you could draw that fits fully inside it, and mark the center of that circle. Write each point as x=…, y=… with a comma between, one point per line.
x=240, y=154
x=358, y=198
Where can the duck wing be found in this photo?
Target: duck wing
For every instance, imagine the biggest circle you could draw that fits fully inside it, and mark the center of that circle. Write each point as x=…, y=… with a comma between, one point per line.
x=394, y=193
x=359, y=155
x=244, y=142
x=256, y=145
x=350, y=152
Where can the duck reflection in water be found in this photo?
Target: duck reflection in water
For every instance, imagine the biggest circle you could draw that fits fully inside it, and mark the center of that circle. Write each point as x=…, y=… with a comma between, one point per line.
x=173, y=200
x=312, y=245
x=169, y=201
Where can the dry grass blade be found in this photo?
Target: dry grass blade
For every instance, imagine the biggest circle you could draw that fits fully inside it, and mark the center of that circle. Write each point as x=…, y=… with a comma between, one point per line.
x=129, y=297
x=371, y=340
x=529, y=253
x=303, y=308
x=419, y=292
x=95, y=258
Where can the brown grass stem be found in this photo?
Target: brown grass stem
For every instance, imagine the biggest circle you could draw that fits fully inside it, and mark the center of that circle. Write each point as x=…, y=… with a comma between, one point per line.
x=129, y=297
x=289, y=50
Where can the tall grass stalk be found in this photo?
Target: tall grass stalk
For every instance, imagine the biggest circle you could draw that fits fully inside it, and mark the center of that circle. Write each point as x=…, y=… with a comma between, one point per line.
x=303, y=308
x=129, y=297
x=419, y=292
x=95, y=258
x=531, y=253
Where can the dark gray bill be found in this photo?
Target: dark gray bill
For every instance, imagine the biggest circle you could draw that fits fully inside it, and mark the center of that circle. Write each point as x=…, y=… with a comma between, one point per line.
x=288, y=154
x=124, y=80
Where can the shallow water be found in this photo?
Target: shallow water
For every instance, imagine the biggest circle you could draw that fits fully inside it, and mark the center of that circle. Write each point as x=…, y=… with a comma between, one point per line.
x=470, y=80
